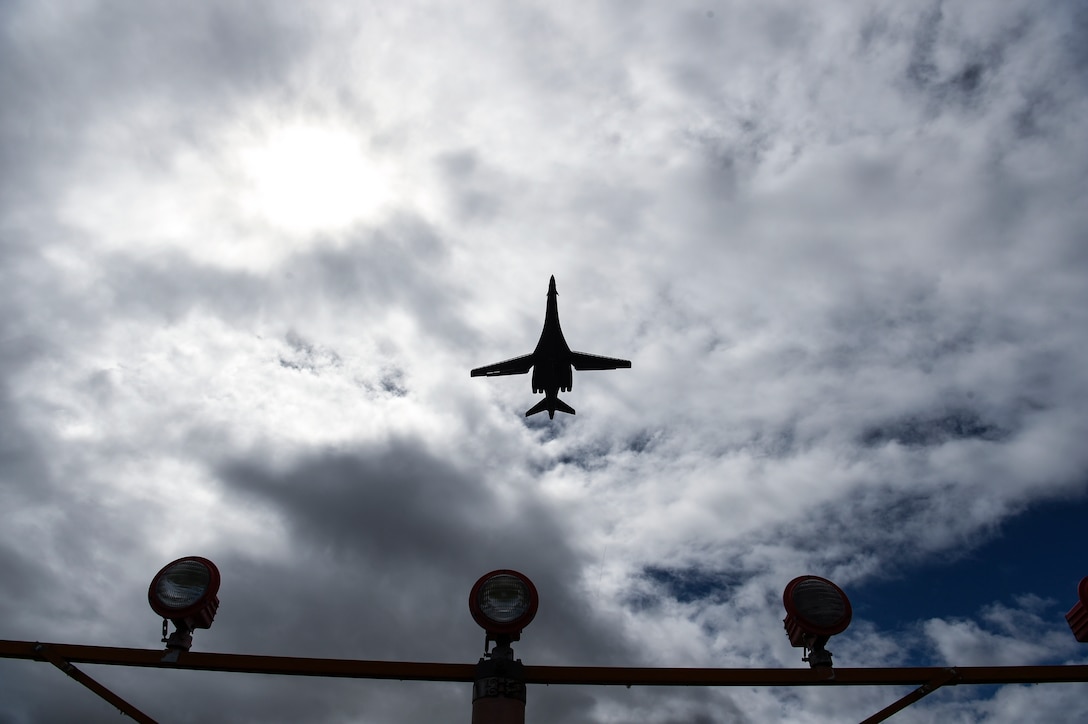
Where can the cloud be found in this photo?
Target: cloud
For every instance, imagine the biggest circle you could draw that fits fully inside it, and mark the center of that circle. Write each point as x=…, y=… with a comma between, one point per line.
x=247, y=260
x=1008, y=637
x=402, y=516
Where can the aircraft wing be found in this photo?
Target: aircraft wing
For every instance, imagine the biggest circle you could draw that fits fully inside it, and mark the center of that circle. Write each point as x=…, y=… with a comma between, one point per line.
x=583, y=361
x=515, y=366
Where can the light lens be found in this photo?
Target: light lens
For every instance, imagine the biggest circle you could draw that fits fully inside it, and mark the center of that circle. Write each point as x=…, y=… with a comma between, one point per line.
x=182, y=584
x=504, y=598
x=819, y=603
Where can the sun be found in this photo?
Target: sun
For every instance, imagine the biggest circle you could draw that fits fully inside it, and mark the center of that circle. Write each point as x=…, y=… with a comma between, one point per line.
x=311, y=178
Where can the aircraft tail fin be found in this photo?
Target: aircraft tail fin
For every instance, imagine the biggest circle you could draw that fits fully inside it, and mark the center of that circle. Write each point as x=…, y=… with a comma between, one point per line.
x=556, y=405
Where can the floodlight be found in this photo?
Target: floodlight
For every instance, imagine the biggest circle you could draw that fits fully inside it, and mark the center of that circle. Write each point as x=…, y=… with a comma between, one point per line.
x=184, y=592
x=816, y=610
x=1078, y=615
x=503, y=602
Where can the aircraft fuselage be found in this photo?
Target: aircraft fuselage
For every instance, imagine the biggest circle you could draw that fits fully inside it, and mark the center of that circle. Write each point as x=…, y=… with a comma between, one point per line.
x=552, y=369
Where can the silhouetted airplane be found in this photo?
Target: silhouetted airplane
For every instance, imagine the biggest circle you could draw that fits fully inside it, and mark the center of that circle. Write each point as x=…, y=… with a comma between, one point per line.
x=551, y=362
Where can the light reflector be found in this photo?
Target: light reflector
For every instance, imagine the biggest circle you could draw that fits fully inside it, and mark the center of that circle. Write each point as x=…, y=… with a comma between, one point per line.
x=815, y=609
x=503, y=602
x=819, y=602
x=183, y=583
x=503, y=598
x=185, y=591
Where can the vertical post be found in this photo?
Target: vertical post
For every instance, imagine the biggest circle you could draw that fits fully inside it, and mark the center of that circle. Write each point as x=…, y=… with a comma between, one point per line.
x=498, y=692
x=949, y=676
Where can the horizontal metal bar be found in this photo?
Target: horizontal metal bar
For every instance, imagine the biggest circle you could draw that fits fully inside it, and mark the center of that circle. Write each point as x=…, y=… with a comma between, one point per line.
x=244, y=663
x=800, y=677
x=578, y=675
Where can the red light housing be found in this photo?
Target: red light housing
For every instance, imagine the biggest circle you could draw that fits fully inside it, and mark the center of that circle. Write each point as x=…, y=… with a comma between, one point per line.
x=816, y=609
x=185, y=591
x=1078, y=615
x=503, y=602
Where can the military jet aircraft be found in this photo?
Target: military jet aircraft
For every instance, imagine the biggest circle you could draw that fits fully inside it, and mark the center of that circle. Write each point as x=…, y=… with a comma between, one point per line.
x=551, y=362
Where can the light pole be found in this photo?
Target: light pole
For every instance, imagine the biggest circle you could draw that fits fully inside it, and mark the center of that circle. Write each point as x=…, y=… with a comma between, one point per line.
x=502, y=602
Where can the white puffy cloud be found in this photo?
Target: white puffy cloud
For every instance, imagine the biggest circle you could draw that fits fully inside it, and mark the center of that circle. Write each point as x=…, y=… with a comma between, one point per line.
x=247, y=259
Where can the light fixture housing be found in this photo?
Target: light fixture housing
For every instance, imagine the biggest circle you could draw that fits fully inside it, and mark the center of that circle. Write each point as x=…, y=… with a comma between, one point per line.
x=1077, y=618
x=816, y=610
x=503, y=602
x=185, y=592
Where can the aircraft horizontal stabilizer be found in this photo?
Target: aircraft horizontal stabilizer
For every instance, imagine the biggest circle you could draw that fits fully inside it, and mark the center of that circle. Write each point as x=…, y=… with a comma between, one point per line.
x=558, y=405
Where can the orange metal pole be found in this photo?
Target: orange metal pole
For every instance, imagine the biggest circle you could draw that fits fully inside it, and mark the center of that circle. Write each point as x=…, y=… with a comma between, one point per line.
x=85, y=679
x=950, y=676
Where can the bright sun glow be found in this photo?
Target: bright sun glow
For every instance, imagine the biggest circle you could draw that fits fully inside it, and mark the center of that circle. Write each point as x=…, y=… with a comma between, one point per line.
x=309, y=178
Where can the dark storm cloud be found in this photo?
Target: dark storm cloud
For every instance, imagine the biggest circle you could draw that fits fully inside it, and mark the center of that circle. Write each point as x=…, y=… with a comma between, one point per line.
x=400, y=263
x=304, y=357
x=689, y=705
x=25, y=578
x=933, y=430
x=61, y=537
x=380, y=548
x=598, y=453
x=23, y=466
x=93, y=57
x=976, y=57
x=922, y=70
x=398, y=516
x=27, y=487
x=1074, y=39
x=29, y=492
x=1031, y=119
x=476, y=189
x=691, y=584
x=25, y=483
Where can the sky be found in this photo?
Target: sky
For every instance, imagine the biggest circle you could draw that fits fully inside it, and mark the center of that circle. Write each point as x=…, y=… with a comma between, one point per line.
x=249, y=253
